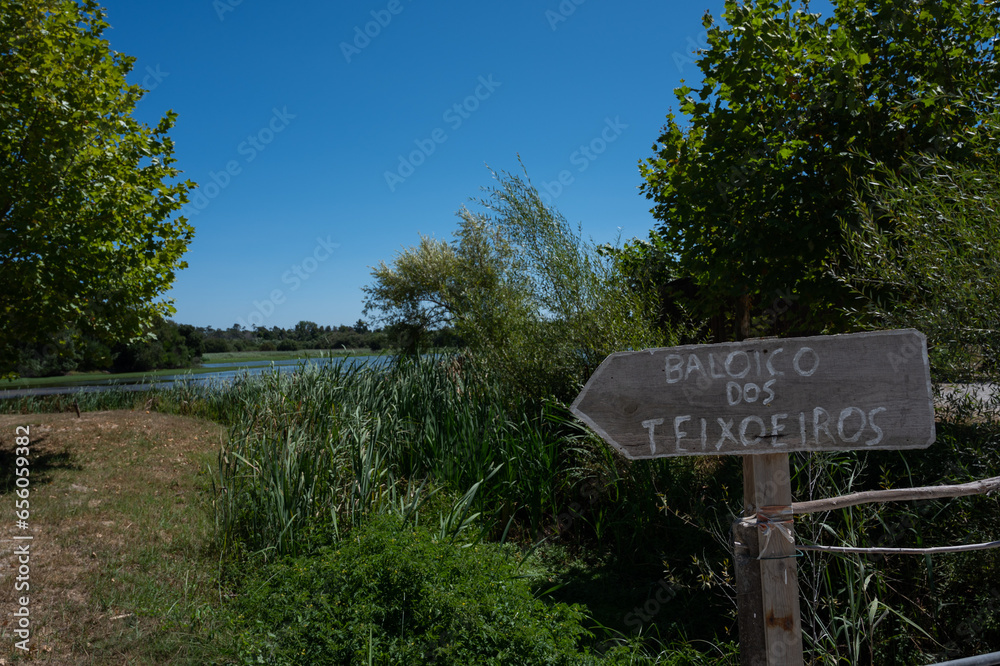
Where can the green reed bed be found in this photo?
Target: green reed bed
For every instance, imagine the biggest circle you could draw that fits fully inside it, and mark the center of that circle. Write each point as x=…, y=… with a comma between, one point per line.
x=328, y=445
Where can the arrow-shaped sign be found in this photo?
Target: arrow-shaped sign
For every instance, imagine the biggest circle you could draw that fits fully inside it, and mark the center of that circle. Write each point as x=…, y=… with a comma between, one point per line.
x=836, y=392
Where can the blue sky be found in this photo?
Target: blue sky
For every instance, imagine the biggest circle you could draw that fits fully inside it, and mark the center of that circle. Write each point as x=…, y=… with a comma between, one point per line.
x=291, y=117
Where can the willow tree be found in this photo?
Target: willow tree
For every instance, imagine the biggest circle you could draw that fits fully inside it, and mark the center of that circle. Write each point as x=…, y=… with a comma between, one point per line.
x=536, y=302
x=88, y=241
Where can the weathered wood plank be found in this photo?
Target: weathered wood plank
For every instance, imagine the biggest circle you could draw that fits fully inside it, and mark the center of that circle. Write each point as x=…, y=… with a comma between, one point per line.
x=897, y=495
x=838, y=392
x=778, y=572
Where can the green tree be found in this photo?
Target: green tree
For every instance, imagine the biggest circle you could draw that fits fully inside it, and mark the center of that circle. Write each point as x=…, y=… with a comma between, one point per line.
x=533, y=300
x=194, y=340
x=926, y=255
x=417, y=292
x=792, y=110
x=306, y=330
x=87, y=192
x=165, y=345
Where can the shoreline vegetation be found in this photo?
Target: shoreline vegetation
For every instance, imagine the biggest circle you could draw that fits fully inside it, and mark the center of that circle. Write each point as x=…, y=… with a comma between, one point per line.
x=503, y=531
x=236, y=358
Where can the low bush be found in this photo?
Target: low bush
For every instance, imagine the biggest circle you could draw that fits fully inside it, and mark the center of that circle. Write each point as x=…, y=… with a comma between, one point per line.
x=395, y=593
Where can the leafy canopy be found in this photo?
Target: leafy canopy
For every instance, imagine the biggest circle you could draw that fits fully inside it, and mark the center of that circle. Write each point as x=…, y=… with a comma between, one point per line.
x=925, y=254
x=534, y=301
x=792, y=110
x=86, y=191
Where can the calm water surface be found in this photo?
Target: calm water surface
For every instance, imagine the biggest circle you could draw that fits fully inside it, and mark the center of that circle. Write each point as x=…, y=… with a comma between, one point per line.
x=220, y=377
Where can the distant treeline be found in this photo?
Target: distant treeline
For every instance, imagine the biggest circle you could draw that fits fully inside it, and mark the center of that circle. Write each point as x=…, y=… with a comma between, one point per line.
x=168, y=344
x=309, y=335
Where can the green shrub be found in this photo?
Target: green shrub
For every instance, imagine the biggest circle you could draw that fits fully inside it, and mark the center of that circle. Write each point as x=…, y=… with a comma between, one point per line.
x=395, y=594
x=217, y=346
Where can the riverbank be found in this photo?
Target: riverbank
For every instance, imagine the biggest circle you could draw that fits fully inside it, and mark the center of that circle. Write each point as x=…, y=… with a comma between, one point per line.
x=210, y=363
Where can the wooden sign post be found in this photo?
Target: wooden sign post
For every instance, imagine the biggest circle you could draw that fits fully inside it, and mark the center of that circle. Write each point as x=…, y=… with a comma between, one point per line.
x=763, y=399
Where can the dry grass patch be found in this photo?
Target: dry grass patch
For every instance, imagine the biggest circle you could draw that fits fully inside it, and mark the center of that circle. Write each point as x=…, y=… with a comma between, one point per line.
x=123, y=569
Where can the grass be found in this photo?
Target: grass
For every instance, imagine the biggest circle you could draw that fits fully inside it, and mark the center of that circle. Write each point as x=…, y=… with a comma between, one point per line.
x=326, y=450
x=306, y=443
x=92, y=378
x=123, y=563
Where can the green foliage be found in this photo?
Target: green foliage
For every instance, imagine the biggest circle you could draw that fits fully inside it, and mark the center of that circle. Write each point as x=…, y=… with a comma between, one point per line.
x=417, y=288
x=305, y=335
x=393, y=593
x=218, y=346
x=536, y=303
x=59, y=356
x=86, y=191
x=903, y=609
x=750, y=195
x=164, y=345
x=925, y=254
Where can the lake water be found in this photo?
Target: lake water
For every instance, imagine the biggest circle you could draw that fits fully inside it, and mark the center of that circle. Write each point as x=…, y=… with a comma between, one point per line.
x=220, y=377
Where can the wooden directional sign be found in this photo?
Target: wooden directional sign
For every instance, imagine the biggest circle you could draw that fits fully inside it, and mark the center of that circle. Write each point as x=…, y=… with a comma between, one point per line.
x=765, y=395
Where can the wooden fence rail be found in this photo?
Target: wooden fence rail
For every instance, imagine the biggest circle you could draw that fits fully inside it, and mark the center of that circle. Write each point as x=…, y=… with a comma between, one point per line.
x=898, y=494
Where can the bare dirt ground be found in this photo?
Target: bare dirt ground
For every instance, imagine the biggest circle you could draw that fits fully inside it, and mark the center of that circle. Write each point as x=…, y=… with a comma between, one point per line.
x=120, y=522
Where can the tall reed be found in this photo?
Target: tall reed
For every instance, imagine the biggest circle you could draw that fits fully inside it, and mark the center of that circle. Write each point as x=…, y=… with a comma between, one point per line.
x=338, y=442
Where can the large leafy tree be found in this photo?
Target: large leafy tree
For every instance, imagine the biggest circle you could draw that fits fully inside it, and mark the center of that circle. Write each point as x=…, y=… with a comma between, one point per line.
x=87, y=192
x=792, y=111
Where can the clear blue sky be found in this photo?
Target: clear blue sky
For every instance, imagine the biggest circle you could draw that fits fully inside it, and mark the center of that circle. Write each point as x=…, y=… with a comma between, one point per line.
x=290, y=134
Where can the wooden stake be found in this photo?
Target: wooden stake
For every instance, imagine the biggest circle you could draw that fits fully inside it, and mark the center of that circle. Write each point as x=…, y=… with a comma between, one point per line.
x=778, y=571
x=767, y=588
x=746, y=546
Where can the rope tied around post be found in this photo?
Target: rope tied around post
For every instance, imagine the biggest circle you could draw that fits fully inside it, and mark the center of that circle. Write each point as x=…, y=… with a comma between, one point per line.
x=774, y=519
